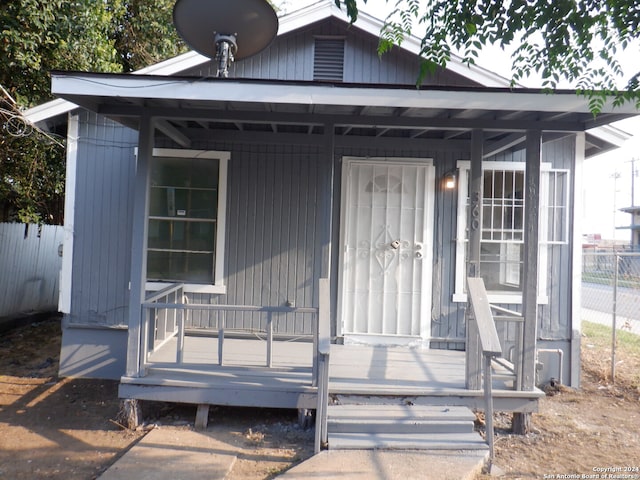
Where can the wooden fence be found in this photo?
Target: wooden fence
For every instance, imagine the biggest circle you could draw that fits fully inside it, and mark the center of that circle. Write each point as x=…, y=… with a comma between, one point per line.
x=30, y=262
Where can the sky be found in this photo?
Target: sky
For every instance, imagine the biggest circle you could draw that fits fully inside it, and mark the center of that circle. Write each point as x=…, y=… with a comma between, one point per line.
x=607, y=177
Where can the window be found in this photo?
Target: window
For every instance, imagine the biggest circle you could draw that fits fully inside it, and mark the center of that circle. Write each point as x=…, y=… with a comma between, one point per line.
x=502, y=235
x=502, y=229
x=187, y=205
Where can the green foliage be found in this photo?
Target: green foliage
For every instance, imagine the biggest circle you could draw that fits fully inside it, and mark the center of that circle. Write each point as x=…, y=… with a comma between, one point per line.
x=43, y=35
x=352, y=8
x=143, y=32
x=31, y=178
x=39, y=36
x=574, y=40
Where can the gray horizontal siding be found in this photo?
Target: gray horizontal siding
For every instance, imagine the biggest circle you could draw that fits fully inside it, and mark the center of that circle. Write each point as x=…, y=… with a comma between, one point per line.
x=290, y=57
x=272, y=245
x=273, y=238
x=102, y=223
x=555, y=318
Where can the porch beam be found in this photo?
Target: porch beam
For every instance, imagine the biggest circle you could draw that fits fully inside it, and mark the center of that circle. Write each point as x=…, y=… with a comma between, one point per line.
x=139, y=246
x=454, y=134
x=173, y=133
x=505, y=144
x=531, y=250
x=318, y=139
x=474, y=225
x=379, y=121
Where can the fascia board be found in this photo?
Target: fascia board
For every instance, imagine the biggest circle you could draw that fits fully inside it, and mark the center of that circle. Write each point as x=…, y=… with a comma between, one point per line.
x=168, y=67
x=48, y=110
x=308, y=15
x=610, y=134
x=196, y=90
x=174, y=65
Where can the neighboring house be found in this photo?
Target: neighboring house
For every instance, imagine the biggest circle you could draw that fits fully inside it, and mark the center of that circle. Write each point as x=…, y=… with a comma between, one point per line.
x=319, y=159
x=634, y=211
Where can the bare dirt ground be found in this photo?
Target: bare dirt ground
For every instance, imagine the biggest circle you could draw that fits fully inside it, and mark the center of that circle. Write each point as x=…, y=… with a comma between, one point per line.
x=582, y=433
x=65, y=429
x=59, y=429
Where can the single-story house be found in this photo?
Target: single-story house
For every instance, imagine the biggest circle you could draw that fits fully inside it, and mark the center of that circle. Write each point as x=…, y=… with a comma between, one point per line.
x=203, y=213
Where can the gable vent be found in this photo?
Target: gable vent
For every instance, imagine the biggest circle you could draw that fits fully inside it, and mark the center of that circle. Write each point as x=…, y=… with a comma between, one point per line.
x=328, y=59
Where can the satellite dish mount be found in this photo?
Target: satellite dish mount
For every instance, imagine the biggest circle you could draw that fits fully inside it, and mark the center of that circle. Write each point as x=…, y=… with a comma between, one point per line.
x=226, y=48
x=226, y=31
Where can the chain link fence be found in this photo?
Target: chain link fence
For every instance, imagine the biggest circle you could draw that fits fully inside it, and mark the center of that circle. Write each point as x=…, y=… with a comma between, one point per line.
x=611, y=297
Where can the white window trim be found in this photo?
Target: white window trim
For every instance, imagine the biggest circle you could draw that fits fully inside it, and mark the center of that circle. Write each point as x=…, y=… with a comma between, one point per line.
x=544, y=198
x=461, y=240
x=218, y=286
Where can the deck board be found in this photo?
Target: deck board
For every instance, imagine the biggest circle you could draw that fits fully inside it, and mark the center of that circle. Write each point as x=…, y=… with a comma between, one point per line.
x=353, y=370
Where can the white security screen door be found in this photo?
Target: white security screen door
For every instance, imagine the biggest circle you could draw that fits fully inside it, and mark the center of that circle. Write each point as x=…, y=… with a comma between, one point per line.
x=386, y=257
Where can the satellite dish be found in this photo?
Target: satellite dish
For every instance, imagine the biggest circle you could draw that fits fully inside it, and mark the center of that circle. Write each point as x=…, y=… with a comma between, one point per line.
x=226, y=29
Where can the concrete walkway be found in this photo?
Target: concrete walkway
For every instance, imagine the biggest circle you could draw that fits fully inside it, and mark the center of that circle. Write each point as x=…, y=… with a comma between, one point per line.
x=183, y=454
x=389, y=465
x=174, y=454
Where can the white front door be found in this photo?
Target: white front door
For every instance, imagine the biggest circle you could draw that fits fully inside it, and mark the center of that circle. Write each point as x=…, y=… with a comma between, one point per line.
x=386, y=256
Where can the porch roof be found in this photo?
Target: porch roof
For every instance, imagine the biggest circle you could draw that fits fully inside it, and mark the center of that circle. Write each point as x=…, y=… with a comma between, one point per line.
x=188, y=108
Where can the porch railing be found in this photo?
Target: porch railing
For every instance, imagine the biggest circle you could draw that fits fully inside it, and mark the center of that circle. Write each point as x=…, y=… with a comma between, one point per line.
x=511, y=360
x=159, y=325
x=490, y=346
x=163, y=318
x=156, y=312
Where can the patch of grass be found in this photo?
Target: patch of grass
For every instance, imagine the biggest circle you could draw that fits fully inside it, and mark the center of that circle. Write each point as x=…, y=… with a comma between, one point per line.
x=600, y=335
x=607, y=279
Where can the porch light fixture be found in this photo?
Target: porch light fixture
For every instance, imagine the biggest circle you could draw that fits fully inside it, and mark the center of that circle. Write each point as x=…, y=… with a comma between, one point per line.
x=450, y=180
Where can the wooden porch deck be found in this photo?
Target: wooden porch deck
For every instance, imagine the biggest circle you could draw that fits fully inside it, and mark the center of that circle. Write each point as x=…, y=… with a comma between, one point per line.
x=357, y=373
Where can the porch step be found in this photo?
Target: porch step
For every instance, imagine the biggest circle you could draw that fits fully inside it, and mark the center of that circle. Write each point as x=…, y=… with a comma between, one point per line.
x=399, y=419
x=404, y=441
x=401, y=427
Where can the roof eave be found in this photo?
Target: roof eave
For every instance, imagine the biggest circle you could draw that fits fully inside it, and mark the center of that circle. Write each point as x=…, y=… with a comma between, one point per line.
x=68, y=84
x=289, y=22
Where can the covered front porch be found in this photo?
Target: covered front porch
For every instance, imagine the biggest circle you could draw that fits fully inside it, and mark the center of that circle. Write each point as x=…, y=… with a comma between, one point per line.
x=435, y=377
x=257, y=368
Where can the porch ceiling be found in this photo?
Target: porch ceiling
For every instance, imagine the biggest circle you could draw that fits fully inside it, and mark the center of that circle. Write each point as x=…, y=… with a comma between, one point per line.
x=188, y=109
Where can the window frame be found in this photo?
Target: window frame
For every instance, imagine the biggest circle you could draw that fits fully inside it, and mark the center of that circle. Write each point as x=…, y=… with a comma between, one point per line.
x=218, y=286
x=461, y=241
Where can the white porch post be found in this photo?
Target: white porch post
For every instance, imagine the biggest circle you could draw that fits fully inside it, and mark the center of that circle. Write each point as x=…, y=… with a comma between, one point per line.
x=327, y=205
x=324, y=218
x=530, y=268
x=474, y=225
x=576, y=264
x=139, y=246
